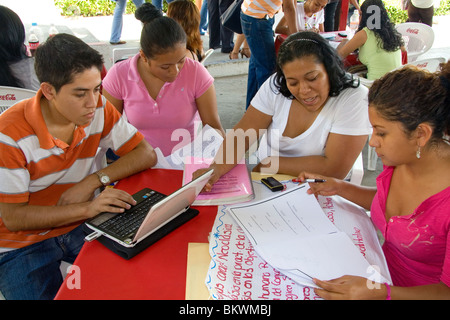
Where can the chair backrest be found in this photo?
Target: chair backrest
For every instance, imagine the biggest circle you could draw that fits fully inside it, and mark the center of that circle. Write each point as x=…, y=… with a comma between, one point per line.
x=279, y=39
x=431, y=64
x=365, y=82
x=11, y=95
x=418, y=38
x=208, y=53
x=124, y=53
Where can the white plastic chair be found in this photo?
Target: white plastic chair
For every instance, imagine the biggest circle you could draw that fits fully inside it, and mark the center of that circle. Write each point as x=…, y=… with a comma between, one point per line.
x=418, y=37
x=431, y=64
x=371, y=157
x=357, y=172
x=365, y=82
x=124, y=53
x=208, y=53
x=11, y=95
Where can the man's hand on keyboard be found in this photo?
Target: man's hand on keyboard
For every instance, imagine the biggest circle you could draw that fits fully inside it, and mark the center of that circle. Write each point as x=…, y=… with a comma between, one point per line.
x=110, y=200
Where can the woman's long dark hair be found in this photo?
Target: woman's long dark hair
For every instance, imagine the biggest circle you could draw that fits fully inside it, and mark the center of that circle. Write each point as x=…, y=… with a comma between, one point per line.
x=12, y=45
x=307, y=43
x=378, y=21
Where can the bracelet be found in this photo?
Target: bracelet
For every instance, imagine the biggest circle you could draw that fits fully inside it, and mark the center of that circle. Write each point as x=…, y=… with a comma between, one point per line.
x=388, y=288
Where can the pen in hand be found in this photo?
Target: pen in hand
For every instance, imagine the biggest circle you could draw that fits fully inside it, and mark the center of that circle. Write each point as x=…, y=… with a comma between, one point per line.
x=315, y=180
x=310, y=180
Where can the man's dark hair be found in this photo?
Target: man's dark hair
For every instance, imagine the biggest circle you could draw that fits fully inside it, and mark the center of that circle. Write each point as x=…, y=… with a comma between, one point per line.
x=61, y=57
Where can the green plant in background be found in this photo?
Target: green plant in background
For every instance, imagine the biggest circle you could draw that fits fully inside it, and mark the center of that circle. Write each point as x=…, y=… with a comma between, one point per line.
x=90, y=8
x=398, y=15
x=87, y=8
x=444, y=8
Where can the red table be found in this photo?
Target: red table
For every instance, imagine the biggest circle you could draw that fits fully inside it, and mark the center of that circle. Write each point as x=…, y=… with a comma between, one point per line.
x=159, y=272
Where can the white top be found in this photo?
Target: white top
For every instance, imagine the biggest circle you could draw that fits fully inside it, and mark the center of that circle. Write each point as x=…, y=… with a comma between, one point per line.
x=306, y=23
x=346, y=114
x=423, y=4
x=24, y=71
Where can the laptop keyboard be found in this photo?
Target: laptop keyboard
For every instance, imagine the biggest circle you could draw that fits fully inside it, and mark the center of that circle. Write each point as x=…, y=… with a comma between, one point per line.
x=125, y=225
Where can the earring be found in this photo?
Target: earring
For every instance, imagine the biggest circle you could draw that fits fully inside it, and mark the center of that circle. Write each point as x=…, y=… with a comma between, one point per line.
x=418, y=152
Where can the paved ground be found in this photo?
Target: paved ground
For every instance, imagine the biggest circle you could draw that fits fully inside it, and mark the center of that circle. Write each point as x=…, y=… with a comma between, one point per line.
x=230, y=76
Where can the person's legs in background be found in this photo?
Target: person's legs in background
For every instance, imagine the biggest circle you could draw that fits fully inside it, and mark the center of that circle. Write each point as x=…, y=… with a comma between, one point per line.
x=422, y=15
x=330, y=11
x=259, y=36
x=427, y=16
x=204, y=17
x=214, y=24
x=226, y=35
x=159, y=3
x=116, y=30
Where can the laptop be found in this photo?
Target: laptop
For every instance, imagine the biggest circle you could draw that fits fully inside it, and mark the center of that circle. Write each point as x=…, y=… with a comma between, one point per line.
x=152, y=214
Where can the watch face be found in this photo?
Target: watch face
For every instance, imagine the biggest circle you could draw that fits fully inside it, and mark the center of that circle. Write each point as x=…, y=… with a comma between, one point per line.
x=104, y=179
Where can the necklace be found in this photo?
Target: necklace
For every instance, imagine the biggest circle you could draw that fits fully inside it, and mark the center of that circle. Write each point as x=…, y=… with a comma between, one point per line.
x=307, y=25
x=313, y=17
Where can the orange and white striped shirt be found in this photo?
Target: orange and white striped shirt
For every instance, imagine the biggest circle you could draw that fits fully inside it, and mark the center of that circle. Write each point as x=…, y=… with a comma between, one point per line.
x=260, y=8
x=36, y=168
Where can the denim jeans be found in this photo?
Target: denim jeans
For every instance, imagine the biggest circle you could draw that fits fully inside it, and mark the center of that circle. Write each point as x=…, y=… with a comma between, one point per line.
x=259, y=36
x=32, y=272
x=116, y=30
x=159, y=3
x=204, y=16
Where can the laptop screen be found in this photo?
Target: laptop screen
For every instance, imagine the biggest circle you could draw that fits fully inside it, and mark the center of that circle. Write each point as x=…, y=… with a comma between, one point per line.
x=171, y=206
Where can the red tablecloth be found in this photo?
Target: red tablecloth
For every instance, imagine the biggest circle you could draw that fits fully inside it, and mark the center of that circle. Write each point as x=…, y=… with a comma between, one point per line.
x=159, y=272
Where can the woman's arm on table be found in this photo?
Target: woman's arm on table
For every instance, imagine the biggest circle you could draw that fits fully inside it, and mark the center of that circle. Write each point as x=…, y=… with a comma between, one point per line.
x=236, y=143
x=341, y=153
x=360, y=195
x=348, y=46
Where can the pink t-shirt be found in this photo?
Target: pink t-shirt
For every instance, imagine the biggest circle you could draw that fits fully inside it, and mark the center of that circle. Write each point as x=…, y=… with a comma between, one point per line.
x=417, y=246
x=174, y=108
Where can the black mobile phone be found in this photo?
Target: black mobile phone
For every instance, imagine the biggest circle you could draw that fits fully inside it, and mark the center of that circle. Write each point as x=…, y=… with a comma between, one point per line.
x=343, y=35
x=272, y=183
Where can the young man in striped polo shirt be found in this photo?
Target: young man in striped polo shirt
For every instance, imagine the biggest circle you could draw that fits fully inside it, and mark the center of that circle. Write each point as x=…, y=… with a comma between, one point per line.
x=48, y=173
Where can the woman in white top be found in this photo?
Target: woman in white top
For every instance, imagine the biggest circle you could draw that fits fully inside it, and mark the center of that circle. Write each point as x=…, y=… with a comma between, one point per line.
x=310, y=16
x=314, y=113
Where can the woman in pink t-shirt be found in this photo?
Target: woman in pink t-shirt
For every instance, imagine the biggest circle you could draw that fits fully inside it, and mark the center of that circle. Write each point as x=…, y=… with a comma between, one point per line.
x=410, y=114
x=161, y=91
